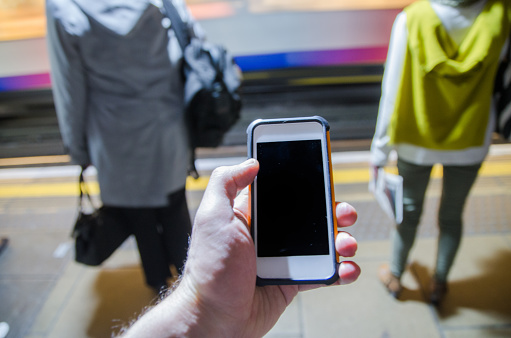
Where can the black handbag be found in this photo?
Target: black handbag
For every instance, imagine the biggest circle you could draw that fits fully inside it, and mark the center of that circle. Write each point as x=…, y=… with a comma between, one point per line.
x=97, y=234
x=212, y=84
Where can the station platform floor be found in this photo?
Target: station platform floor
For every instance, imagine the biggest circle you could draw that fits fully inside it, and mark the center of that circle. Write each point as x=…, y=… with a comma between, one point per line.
x=44, y=293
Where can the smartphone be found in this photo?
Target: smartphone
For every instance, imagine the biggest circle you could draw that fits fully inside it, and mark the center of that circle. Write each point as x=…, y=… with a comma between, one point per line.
x=292, y=204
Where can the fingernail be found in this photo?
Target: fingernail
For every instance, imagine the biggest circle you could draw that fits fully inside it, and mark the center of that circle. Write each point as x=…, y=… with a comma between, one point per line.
x=249, y=163
x=344, y=207
x=345, y=270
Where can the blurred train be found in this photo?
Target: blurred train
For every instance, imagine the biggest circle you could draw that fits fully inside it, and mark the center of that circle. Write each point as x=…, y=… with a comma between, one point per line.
x=284, y=43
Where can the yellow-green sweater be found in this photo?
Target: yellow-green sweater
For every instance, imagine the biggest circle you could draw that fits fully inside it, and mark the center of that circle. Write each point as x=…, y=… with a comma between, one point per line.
x=444, y=96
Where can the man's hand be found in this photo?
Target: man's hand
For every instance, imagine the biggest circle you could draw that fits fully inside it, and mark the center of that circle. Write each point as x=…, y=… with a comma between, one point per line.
x=218, y=296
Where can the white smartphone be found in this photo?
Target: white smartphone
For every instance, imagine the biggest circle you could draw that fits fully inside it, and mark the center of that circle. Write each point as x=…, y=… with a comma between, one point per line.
x=292, y=203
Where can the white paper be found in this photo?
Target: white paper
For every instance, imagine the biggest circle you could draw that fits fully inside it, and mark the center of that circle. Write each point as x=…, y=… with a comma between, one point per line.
x=388, y=191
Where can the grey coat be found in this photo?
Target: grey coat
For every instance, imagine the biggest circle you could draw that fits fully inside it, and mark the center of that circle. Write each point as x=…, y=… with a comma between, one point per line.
x=118, y=93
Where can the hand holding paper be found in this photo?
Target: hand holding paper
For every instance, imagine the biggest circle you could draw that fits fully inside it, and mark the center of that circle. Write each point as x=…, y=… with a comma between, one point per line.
x=388, y=191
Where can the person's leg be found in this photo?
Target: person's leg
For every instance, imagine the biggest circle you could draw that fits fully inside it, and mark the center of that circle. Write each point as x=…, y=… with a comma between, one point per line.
x=177, y=227
x=457, y=182
x=3, y=243
x=143, y=223
x=415, y=182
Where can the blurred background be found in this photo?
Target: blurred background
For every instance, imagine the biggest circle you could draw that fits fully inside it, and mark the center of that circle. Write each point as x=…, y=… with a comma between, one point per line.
x=300, y=57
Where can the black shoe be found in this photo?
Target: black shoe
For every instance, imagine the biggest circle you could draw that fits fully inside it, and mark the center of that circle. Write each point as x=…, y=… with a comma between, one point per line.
x=438, y=292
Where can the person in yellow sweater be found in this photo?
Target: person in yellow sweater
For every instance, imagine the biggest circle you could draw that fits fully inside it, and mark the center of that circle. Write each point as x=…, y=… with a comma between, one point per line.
x=436, y=108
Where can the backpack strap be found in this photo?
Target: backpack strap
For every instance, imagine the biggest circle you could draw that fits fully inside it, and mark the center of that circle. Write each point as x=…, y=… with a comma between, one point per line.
x=183, y=36
x=177, y=24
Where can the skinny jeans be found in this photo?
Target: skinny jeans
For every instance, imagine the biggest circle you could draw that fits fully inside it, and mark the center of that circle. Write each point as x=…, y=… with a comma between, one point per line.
x=456, y=184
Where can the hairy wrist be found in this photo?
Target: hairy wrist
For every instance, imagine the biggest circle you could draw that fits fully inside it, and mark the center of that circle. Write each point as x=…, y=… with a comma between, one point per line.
x=201, y=319
x=181, y=314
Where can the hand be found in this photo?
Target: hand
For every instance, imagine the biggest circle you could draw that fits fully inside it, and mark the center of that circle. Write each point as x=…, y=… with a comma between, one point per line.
x=218, y=296
x=373, y=170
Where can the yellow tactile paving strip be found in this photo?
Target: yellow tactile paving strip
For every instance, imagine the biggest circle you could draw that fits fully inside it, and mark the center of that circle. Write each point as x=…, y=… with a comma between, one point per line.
x=26, y=188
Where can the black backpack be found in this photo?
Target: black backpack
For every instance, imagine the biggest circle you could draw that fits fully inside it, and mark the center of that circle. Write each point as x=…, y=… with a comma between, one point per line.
x=212, y=83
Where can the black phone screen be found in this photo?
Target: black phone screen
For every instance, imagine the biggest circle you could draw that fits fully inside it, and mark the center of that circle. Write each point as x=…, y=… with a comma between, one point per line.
x=291, y=204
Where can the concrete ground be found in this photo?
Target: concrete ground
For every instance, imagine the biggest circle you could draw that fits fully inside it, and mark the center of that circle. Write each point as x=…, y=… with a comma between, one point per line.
x=44, y=293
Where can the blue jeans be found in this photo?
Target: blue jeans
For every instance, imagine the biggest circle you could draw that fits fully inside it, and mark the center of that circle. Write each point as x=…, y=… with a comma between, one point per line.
x=456, y=185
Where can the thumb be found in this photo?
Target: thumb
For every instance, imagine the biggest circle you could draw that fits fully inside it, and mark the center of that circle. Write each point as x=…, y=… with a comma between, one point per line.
x=230, y=180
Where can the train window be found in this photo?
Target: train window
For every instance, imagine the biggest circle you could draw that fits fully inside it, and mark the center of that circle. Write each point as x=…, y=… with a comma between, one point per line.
x=22, y=19
x=324, y=5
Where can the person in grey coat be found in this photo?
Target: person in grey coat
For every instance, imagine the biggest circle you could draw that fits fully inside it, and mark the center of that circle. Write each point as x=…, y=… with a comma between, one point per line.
x=118, y=92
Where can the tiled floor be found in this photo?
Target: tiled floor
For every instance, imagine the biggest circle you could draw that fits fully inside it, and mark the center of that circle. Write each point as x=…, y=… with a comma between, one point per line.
x=93, y=302
x=478, y=305
x=44, y=293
